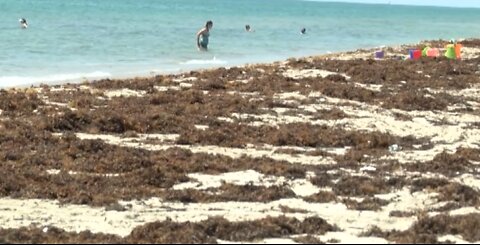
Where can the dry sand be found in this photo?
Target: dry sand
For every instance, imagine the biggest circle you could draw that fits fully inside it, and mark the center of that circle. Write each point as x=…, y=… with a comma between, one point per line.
x=336, y=138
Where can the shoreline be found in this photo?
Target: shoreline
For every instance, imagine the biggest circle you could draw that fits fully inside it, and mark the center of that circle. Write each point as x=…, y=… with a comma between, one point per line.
x=360, y=53
x=395, y=51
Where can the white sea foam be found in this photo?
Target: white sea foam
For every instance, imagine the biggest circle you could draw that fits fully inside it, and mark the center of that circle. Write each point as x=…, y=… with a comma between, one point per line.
x=15, y=81
x=213, y=61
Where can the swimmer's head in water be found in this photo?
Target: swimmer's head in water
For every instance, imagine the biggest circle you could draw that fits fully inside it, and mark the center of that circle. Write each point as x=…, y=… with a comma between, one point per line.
x=23, y=22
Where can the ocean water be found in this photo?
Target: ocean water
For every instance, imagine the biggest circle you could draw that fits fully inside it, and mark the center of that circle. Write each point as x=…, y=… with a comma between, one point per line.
x=88, y=39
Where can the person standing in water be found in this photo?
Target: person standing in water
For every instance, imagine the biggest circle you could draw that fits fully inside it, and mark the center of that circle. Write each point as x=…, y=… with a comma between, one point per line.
x=303, y=31
x=203, y=35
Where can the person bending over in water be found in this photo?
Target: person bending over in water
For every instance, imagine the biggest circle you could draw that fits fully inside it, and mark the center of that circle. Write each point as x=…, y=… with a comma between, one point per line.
x=303, y=31
x=248, y=29
x=202, y=36
x=23, y=23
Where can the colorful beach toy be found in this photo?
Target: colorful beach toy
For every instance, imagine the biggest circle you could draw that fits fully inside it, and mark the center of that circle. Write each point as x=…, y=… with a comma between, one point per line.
x=379, y=54
x=458, y=50
x=433, y=52
x=425, y=51
x=415, y=54
x=450, y=52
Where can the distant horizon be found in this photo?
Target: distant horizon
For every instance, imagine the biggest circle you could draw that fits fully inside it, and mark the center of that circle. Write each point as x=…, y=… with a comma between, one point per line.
x=436, y=3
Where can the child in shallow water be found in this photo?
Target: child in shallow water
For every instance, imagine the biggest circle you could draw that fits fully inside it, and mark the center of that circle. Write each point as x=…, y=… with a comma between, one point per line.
x=203, y=35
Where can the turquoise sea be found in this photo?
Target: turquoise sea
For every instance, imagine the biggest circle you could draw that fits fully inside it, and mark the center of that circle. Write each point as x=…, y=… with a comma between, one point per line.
x=86, y=39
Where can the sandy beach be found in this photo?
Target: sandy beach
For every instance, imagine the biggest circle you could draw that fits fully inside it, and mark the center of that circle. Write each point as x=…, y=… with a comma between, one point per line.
x=337, y=148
